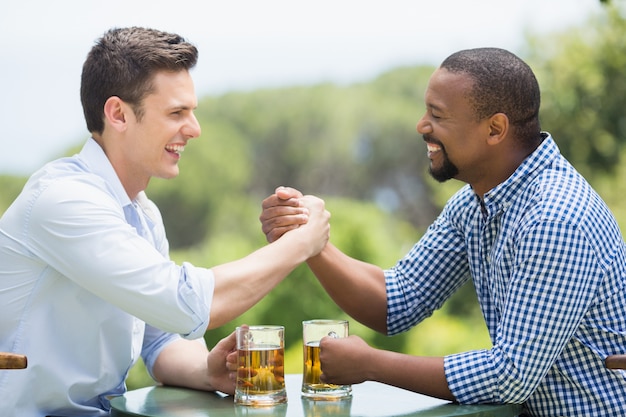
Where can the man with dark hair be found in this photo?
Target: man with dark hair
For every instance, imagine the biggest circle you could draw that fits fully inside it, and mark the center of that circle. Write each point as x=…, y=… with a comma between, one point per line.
x=545, y=255
x=86, y=283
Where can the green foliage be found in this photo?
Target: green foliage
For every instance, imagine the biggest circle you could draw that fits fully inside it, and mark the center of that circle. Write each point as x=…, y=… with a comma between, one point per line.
x=213, y=173
x=612, y=188
x=583, y=77
x=11, y=187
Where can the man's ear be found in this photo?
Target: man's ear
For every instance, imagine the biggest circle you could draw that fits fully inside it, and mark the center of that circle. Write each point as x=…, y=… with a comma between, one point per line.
x=498, y=128
x=115, y=113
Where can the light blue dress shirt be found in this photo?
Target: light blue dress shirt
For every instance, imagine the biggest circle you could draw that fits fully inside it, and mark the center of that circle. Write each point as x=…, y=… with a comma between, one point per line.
x=86, y=287
x=548, y=263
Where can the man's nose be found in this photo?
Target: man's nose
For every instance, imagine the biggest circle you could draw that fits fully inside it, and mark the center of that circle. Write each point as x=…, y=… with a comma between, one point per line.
x=423, y=126
x=192, y=129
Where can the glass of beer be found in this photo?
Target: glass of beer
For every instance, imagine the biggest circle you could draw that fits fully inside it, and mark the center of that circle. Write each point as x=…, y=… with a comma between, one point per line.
x=261, y=371
x=312, y=332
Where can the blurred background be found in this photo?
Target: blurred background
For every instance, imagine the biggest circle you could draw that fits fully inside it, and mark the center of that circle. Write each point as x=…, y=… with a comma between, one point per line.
x=324, y=97
x=244, y=45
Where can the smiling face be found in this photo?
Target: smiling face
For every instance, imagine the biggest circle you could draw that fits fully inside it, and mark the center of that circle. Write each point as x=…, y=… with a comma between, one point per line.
x=454, y=136
x=148, y=143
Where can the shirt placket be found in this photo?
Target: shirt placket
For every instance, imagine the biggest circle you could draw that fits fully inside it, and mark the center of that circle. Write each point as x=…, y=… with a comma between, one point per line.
x=142, y=224
x=489, y=230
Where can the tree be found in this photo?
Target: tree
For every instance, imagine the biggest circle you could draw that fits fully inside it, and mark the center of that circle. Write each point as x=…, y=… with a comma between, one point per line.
x=583, y=78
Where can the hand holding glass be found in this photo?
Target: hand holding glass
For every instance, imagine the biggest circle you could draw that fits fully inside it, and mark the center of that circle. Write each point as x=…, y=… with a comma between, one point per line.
x=312, y=332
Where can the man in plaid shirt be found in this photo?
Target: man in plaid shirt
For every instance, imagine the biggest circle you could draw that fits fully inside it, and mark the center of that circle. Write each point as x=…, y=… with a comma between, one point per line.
x=544, y=252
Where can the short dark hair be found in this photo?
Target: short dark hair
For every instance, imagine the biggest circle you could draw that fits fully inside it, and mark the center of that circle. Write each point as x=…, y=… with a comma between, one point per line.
x=503, y=83
x=123, y=63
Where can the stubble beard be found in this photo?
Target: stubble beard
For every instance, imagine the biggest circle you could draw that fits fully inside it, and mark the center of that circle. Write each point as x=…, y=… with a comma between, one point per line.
x=446, y=171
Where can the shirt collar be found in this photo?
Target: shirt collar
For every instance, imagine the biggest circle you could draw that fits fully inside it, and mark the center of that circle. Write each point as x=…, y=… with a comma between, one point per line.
x=93, y=154
x=500, y=197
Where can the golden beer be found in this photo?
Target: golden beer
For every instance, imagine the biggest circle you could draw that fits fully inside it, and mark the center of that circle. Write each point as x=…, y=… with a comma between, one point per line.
x=313, y=367
x=261, y=370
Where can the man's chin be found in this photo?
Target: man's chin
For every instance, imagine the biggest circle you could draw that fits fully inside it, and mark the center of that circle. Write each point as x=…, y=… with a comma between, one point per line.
x=169, y=175
x=444, y=172
x=439, y=176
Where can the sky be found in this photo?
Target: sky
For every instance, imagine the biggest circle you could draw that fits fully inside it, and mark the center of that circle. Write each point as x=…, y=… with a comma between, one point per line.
x=244, y=45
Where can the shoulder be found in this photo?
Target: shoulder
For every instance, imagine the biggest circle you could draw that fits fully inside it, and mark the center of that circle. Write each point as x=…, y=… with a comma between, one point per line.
x=559, y=195
x=564, y=195
x=66, y=189
x=461, y=206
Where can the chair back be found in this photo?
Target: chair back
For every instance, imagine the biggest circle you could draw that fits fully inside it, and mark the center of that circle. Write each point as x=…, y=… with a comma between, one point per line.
x=615, y=361
x=12, y=361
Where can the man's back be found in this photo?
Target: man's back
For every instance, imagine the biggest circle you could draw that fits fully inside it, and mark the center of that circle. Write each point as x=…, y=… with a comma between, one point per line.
x=64, y=329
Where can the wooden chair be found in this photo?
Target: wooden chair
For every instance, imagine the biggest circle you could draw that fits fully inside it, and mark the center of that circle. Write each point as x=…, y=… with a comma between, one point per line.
x=615, y=361
x=12, y=361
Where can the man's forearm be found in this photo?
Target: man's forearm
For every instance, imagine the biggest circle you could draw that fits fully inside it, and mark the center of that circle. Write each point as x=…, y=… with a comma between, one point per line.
x=357, y=287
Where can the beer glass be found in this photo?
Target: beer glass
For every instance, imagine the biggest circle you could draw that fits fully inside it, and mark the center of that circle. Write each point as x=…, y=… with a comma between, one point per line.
x=312, y=332
x=261, y=371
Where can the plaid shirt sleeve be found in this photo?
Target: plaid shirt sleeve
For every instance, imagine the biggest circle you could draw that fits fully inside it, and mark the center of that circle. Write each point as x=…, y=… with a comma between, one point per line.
x=428, y=275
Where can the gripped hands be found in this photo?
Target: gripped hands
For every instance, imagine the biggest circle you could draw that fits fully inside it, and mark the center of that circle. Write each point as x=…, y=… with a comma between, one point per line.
x=283, y=211
x=317, y=227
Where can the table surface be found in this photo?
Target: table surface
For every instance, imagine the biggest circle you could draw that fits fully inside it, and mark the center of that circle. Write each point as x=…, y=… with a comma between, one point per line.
x=369, y=399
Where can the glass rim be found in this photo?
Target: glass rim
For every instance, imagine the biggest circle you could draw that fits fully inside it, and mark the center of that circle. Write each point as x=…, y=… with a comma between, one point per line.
x=261, y=327
x=325, y=321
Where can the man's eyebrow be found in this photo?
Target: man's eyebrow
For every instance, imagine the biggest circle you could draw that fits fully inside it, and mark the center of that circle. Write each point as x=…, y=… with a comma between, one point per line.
x=182, y=107
x=433, y=106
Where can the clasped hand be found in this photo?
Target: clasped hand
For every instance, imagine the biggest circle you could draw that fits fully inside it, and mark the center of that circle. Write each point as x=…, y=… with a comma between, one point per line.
x=283, y=211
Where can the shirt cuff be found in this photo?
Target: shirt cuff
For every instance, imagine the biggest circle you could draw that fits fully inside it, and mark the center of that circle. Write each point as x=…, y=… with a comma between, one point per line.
x=471, y=378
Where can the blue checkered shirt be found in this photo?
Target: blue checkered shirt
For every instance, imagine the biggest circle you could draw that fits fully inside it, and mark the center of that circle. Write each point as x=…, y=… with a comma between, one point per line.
x=549, y=265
